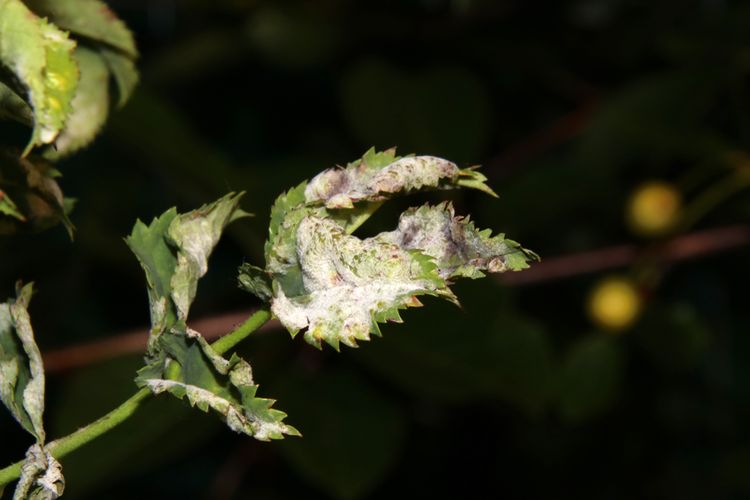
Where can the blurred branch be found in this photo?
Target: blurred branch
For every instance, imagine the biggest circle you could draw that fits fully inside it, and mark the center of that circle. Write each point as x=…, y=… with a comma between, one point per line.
x=134, y=341
x=680, y=248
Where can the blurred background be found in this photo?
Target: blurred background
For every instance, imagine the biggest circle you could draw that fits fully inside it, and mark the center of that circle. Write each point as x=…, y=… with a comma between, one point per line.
x=617, y=134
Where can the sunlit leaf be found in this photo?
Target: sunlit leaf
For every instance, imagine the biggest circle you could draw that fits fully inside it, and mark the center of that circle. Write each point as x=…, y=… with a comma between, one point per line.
x=90, y=105
x=21, y=369
x=40, y=57
x=41, y=476
x=91, y=19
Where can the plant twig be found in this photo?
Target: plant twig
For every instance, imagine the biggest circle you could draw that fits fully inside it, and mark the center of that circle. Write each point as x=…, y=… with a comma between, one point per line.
x=134, y=341
x=61, y=447
x=681, y=248
x=684, y=247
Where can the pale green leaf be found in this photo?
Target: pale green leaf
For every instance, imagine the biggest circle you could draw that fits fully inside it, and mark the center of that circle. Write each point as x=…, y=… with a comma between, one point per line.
x=90, y=105
x=41, y=476
x=91, y=19
x=209, y=381
x=31, y=183
x=40, y=57
x=173, y=251
x=21, y=369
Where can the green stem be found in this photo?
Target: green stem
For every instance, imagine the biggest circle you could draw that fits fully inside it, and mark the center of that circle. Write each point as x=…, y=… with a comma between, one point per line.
x=231, y=339
x=61, y=447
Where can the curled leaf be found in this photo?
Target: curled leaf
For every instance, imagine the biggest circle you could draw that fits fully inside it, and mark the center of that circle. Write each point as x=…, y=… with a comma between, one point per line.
x=41, y=476
x=210, y=381
x=40, y=57
x=21, y=368
x=351, y=284
x=368, y=181
x=338, y=286
x=173, y=251
x=459, y=249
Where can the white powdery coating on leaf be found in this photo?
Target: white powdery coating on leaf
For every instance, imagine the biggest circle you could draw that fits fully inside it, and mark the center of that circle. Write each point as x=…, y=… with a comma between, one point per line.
x=195, y=234
x=41, y=476
x=347, y=281
x=459, y=249
x=197, y=395
x=33, y=393
x=235, y=417
x=340, y=188
x=265, y=431
x=342, y=312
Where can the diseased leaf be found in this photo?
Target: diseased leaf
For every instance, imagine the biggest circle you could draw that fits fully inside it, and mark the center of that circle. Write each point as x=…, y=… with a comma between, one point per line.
x=90, y=105
x=173, y=251
x=158, y=261
x=31, y=183
x=459, y=249
x=194, y=235
x=40, y=57
x=209, y=381
x=361, y=181
x=351, y=284
x=41, y=476
x=339, y=287
x=21, y=369
x=91, y=19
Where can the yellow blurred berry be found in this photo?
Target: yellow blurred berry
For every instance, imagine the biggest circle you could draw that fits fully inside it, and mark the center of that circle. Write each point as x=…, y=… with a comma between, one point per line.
x=654, y=208
x=614, y=304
